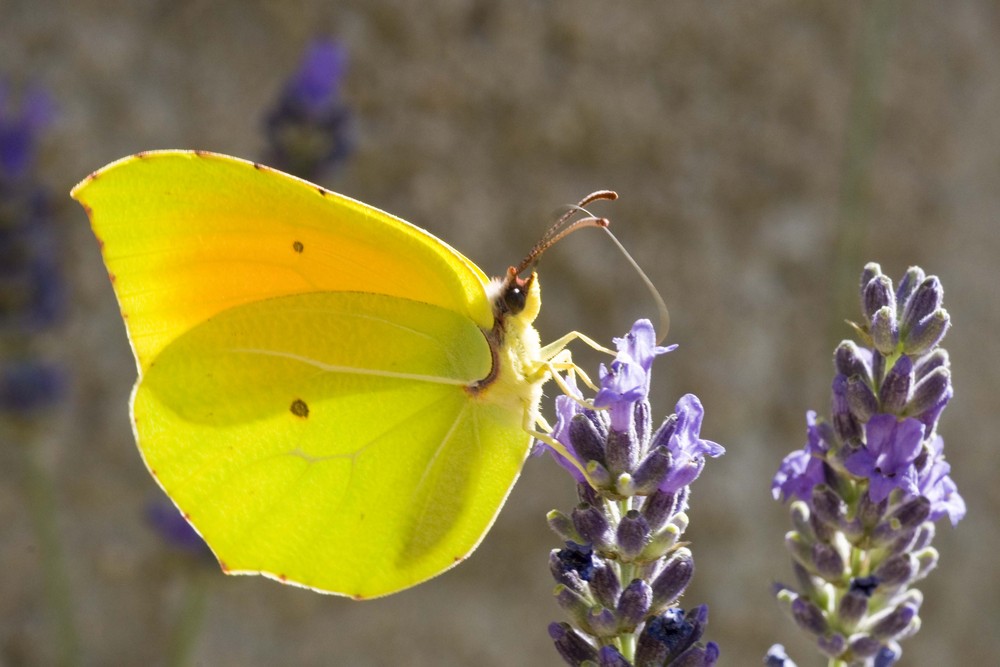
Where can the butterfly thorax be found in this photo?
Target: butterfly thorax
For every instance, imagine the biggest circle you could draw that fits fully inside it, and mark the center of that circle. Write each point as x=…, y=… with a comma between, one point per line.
x=515, y=380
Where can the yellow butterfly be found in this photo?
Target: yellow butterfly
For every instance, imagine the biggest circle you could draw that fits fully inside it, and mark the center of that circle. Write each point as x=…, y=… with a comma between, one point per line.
x=333, y=397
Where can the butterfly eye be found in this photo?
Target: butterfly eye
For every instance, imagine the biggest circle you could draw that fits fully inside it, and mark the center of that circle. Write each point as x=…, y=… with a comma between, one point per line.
x=514, y=299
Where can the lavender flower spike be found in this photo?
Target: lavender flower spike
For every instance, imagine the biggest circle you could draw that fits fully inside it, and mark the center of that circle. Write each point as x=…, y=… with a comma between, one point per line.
x=308, y=129
x=869, y=485
x=619, y=588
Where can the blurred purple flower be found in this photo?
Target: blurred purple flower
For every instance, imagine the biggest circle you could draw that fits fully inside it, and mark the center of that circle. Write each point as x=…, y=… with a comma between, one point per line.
x=20, y=130
x=167, y=522
x=31, y=289
x=308, y=129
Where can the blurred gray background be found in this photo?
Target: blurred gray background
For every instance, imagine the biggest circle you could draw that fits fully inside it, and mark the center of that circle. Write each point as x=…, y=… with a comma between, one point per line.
x=763, y=151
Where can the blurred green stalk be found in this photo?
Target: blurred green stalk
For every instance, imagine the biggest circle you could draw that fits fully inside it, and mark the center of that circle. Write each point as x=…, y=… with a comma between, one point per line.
x=42, y=507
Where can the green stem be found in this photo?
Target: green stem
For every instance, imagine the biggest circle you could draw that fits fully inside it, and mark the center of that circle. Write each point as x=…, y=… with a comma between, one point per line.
x=188, y=623
x=42, y=508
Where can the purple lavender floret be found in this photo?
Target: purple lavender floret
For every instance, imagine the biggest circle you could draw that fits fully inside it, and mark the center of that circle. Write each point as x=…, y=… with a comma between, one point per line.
x=32, y=294
x=869, y=484
x=624, y=566
x=309, y=128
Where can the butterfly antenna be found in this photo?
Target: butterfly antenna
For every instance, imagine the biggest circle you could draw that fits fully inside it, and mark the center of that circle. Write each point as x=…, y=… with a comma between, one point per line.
x=660, y=305
x=565, y=226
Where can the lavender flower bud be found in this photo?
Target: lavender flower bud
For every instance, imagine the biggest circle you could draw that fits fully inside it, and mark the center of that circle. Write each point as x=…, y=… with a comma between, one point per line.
x=876, y=295
x=622, y=451
x=844, y=423
x=563, y=526
x=927, y=333
x=575, y=605
x=658, y=507
x=903, y=543
x=925, y=535
x=809, y=583
x=861, y=399
x=634, y=604
x=643, y=420
x=663, y=541
x=864, y=645
x=896, y=622
x=927, y=560
x=662, y=435
x=571, y=646
x=895, y=390
x=599, y=475
x=672, y=580
x=852, y=608
x=871, y=271
x=605, y=586
x=897, y=570
x=869, y=512
x=800, y=548
x=696, y=656
x=912, y=513
x=832, y=645
x=927, y=363
x=593, y=526
x=926, y=298
x=809, y=617
x=801, y=518
x=588, y=494
x=586, y=440
x=633, y=535
x=601, y=622
x=827, y=561
x=884, y=330
x=850, y=361
x=652, y=471
x=827, y=505
x=929, y=392
x=913, y=277
x=609, y=656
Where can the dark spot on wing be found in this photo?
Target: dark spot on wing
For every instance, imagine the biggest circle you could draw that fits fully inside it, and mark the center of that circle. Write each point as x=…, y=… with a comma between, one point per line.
x=258, y=166
x=298, y=247
x=299, y=408
x=322, y=191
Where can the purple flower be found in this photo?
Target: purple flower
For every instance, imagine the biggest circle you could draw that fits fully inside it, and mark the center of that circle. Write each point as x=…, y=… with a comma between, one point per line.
x=631, y=508
x=29, y=386
x=174, y=529
x=801, y=470
x=639, y=344
x=566, y=409
x=935, y=485
x=886, y=459
x=19, y=132
x=309, y=128
x=686, y=448
x=315, y=86
x=627, y=379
